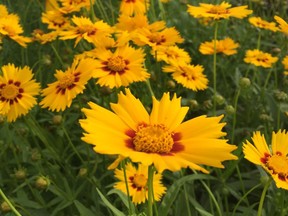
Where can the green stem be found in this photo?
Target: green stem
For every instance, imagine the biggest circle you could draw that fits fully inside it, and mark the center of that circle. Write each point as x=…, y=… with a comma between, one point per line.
x=260, y=207
x=215, y=69
x=149, y=88
x=235, y=114
x=71, y=144
x=259, y=40
x=57, y=54
x=186, y=197
x=9, y=203
x=150, y=190
x=242, y=198
x=127, y=188
x=92, y=12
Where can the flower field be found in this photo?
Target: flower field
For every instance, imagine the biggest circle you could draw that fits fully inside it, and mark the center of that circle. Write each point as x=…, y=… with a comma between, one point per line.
x=143, y=107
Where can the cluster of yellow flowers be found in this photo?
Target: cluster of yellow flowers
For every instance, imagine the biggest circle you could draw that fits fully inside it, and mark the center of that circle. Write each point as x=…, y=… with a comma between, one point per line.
x=118, y=59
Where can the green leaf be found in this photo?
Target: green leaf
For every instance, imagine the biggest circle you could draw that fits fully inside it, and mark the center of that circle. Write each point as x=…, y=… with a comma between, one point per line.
x=173, y=191
x=82, y=209
x=109, y=205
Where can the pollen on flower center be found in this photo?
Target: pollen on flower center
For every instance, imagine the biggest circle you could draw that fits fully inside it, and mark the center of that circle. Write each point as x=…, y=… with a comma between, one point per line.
x=153, y=139
x=116, y=64
x=157, y=38
x=10, y=92
x=66, y=81
x=139, y=181
x=90, y=30
x=278, y=164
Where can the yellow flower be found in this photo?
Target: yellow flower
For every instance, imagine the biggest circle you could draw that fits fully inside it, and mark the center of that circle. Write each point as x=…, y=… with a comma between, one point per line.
x=130, y=7
x=170, y=54
x=17, y=91
x=86, y=29
x=55, y=20
x=190, y=76
x=282, y=24
x=43, y=38
x=3, y=11
x=152, y=38
x=285, y=62
x=120, y=67
x=137, y=179
x=130, y=24
x=159, y=138
x=10, y=27
x=272, y=158
x=259, y=58
x=226, y=46
x=69, y=6
x=60, y=94
x=260, y=23
x=218, y=11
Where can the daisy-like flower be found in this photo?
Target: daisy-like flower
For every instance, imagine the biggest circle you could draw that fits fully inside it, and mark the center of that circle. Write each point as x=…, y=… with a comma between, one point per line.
x=169, y=54
x=218, y=11
x=43, y=38
x=137, y=179
x=259, y=58
x=69, y=6
x=159, y=138
x=130, y=24
x=55, y=20
x=3, y=11
x=10, y=27
x=273, y=158
x=263, y=24
x=283, y=26
x=120, y=67
x=17, y=91
x=86, y=29
x=226, y=46
x=60, y=94
x=165, y=37
x=190, y=76
x=285, y=64
x=130, y=7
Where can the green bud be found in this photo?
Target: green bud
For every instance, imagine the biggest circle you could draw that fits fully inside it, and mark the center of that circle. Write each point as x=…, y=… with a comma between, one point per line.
x=82, y=172
x=171, y=84
x=20, y=173
x=244, y=82
x=280, y=95
x=207, y=104
x=42, y=182
x=219, y=99
x=5, y=207
x=193, y=104
x=230, y=110
x=265, y=117
x=57, y=119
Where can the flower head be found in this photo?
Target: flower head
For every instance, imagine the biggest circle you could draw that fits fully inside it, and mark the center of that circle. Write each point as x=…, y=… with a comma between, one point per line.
x=259, y=58
x=159, y=138
x=263, y=24
x=283, y=25
x=120, y=67
x=85, y=29
x=55, y=20
x=218, y=11
x=170, y=54
x=273, y=158
x=190, y=76
x=226, y=46
x=60, y=94
x=130, y=7
x=137, y=179
x=17, y=91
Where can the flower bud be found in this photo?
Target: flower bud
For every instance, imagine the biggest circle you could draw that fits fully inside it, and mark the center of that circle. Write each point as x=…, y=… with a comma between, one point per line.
x=265, y=117
x=219, y=99
x=193, y=104
x=20, y=174
x=280, y=95
x=207, y=104
x=35, y=155
x=5, y=207
x=230, y=110
x=47, y=60
x=244, y=82
x=57, y=119
x=276, y=50
x=82, y=172
x=42, y=182
x=171, y=84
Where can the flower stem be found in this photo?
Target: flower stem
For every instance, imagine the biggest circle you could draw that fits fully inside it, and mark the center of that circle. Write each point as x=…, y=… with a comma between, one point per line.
x=186, y=196
x=215, y=69
x=150, y=190
x=9, y=203
x=127, y=188
x=263, y=197
x=235, y=114
x=149, y=88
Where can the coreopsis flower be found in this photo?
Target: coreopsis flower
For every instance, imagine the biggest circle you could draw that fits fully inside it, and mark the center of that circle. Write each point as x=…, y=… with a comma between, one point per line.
x=190, y=76
x=69, y=6
x=132, y=23
x=263, y=24
x=169, y=54
x=159, y=138
x=130, y=7
x=283, y=25
x=218, y=11
x=55, y=20
x=271, y=157
x=259, y=58
x=285, y=64
x=85, y=29
x=3, y=11
x=43, y=38
x=17, y=91
x=120, y=67
x=137, y=179
x=10, y=27
x=226, y=46
x=166, y=37
x=60, y=94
